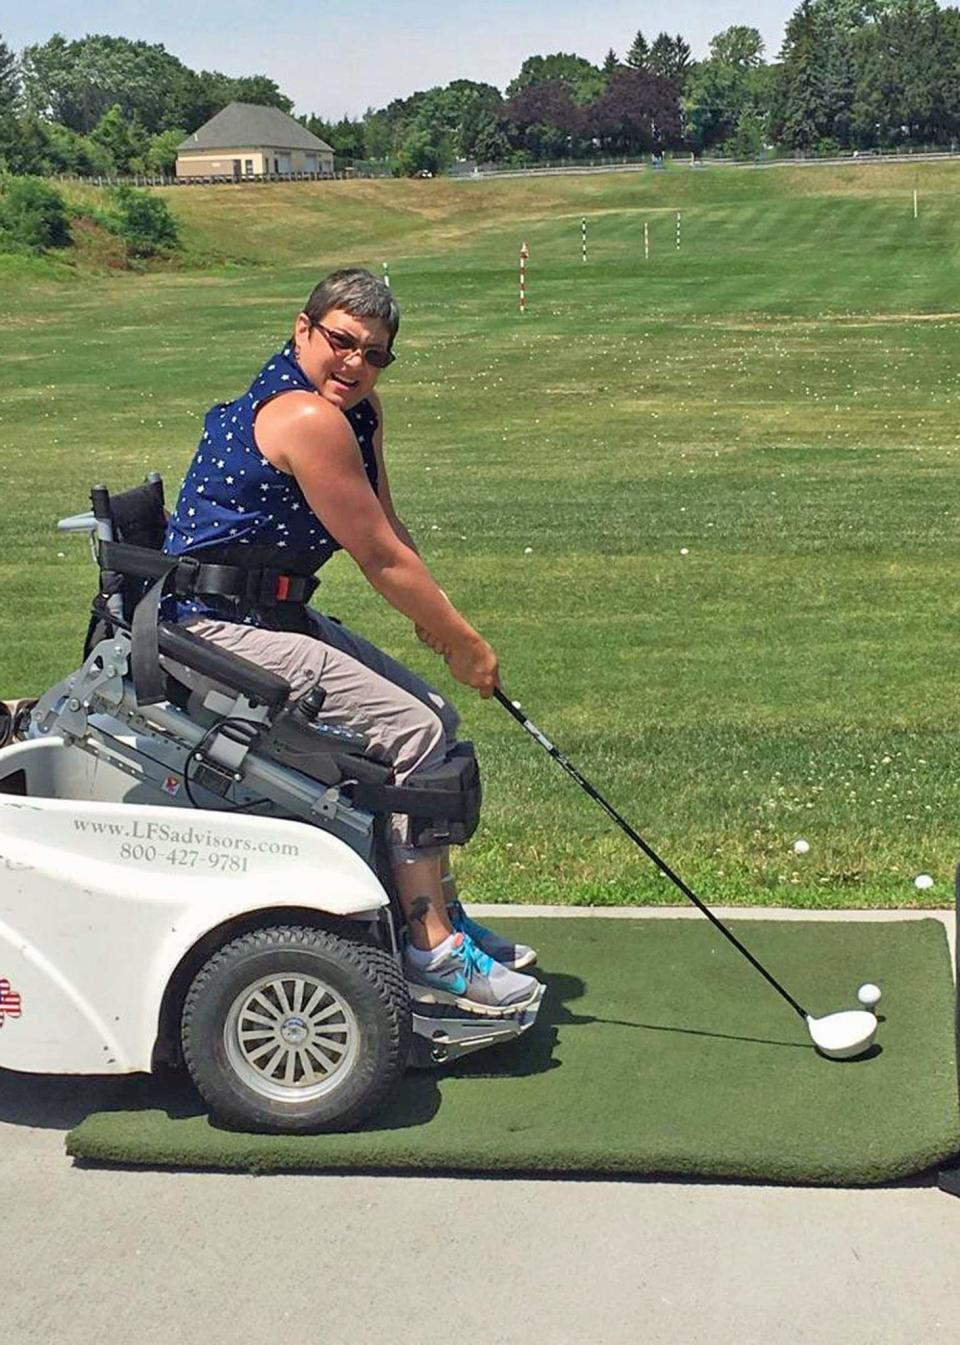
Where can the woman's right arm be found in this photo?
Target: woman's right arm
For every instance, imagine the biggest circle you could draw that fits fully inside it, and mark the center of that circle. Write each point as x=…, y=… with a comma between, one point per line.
x=319, y=449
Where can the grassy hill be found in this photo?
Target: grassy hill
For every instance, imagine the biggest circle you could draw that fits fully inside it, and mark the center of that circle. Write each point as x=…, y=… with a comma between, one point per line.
x=733, y=467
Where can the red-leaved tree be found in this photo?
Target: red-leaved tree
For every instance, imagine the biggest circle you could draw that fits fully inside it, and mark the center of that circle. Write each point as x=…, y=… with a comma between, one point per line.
x=637, y=111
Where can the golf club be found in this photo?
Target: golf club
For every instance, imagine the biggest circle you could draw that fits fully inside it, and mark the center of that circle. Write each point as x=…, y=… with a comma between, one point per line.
x=841, y=1036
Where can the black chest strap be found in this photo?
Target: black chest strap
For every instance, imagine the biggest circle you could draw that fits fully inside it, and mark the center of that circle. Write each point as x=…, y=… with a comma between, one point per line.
x=258, y=585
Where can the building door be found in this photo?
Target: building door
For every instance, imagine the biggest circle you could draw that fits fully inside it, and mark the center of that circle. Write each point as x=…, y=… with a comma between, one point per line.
x=237, y=165
x=284, y=164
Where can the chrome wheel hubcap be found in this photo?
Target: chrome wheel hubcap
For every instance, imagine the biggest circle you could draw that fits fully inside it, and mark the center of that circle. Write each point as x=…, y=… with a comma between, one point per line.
x=291, y=1038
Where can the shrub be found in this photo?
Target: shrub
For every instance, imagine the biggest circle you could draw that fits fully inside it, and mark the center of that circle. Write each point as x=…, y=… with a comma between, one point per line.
x=162, y=154
x=33, y=215
x=69, y=152
x=143, y=221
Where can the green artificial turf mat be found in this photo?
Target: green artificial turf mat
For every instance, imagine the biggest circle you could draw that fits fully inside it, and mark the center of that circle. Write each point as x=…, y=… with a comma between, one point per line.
x=658, y=1051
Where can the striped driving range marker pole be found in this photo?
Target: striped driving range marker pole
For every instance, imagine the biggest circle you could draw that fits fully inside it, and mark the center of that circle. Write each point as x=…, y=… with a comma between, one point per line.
x=386, y=275
x=583, y=240
x=678, y=230
x=646, y=241
x=916, y=204
x=524, y=254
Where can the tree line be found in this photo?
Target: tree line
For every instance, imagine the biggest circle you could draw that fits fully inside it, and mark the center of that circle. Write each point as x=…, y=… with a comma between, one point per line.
x=850, y=74
x=104, y=105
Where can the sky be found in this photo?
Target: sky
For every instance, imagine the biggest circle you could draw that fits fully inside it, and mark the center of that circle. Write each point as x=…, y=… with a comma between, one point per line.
x=341, y=58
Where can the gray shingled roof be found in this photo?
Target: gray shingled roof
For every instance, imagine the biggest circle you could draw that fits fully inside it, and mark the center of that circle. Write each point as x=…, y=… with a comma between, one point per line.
x=242, y=125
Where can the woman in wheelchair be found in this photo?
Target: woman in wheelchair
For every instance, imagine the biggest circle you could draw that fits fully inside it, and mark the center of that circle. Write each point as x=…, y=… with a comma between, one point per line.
x=285, y=475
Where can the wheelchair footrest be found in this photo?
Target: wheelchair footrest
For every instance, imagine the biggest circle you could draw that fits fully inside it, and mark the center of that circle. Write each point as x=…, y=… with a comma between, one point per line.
x=440, y=1037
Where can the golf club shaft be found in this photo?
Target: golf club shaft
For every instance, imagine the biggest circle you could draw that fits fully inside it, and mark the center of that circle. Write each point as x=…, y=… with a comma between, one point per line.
x=638, y=840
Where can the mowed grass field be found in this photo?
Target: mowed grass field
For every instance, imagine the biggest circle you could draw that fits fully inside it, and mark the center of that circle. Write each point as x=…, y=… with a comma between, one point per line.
x=704, y=506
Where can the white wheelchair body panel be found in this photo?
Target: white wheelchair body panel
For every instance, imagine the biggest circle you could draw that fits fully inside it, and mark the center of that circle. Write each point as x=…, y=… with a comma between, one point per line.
x=99, y=902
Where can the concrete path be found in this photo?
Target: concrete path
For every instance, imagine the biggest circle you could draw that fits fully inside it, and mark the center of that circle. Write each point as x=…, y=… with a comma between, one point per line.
x=137, y=1257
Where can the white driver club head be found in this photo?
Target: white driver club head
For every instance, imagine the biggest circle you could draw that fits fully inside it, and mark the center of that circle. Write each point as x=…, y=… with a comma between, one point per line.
x=844, y=1035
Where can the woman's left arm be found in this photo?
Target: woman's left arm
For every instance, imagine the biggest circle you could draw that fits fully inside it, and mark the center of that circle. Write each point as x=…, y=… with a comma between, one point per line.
x=383, y=484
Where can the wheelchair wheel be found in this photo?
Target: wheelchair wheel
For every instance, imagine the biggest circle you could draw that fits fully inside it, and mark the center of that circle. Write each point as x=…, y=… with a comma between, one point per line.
x=296, y=1029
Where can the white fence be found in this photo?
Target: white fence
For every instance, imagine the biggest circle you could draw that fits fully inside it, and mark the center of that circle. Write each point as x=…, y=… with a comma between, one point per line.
x=490, y=171
x=636, y=165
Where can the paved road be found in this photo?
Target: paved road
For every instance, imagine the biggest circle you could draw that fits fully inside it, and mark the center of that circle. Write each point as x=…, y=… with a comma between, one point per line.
x=104, y=1256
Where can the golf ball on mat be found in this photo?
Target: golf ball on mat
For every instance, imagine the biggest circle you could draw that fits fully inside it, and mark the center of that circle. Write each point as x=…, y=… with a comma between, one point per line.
x=923, y=881
x=801, y=846
x=869, y=995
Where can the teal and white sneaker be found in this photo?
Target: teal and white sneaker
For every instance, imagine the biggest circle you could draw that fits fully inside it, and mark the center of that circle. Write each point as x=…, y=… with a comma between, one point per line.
x=458, y=972
x=515, y=956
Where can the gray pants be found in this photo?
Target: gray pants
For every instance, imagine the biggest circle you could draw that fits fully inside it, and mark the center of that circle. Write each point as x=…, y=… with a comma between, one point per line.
x=404, y=719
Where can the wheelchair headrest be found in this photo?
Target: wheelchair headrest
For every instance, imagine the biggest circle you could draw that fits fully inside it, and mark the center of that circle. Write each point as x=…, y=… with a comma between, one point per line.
x=138, y=515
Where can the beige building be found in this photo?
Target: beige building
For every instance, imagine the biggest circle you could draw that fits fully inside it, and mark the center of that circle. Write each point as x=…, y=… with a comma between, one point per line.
x=247, y=140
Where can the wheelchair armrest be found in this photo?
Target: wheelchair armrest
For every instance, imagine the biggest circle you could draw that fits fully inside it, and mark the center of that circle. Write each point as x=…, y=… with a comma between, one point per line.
x=229, y=669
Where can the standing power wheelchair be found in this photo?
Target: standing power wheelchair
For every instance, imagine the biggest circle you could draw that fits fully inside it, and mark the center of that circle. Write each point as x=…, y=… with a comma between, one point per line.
x=194, y=868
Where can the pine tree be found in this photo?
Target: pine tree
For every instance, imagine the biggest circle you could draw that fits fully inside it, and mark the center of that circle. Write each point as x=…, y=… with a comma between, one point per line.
x=805, y=117
x=663, y=57
x=610, y=62
x=681, y=55
x=9, y=79
x=639, y=54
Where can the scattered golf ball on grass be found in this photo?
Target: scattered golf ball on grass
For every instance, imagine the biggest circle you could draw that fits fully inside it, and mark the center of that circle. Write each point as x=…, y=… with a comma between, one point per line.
x=923, y=881
x=528, y=550
x=800, y=846
x=869, y=995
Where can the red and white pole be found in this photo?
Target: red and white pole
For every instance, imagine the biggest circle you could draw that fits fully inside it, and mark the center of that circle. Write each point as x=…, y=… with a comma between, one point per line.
x=524, y=254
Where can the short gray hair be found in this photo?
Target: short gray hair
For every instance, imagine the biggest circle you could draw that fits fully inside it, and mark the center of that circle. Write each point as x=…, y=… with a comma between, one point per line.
x=357, y=292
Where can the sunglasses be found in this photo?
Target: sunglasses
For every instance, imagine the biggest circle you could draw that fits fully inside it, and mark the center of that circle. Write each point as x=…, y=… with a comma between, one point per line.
x=343, y=343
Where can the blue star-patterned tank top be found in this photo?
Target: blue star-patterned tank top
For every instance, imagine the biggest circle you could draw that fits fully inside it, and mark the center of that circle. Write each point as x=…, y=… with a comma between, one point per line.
x=232, y=496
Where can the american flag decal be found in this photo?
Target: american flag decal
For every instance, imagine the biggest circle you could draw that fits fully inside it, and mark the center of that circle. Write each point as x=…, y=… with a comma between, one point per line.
x=9, y=1001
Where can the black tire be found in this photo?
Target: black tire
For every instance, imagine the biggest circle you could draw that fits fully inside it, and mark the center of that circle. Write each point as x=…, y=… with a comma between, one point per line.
x=335, y=1058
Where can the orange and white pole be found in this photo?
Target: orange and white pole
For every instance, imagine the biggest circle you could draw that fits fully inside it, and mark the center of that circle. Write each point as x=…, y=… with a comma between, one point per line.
x=524, y=254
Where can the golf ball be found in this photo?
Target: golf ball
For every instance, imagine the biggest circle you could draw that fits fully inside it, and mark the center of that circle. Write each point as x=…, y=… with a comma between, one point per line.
x=684, y=551
x=923, y=881
x=528, y=550
x=801, y=846
x=869, y=995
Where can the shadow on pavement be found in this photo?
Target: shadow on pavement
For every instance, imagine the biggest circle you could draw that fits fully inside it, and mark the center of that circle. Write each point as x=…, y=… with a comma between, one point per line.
x=62, y=1101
